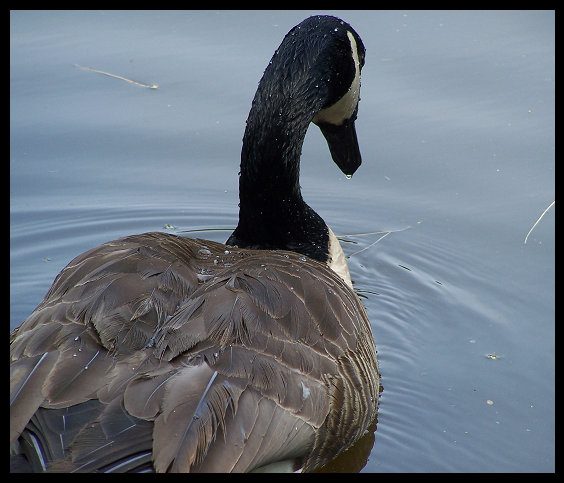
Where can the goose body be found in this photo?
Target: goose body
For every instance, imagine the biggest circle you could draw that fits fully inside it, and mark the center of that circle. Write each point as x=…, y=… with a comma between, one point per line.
x=156, y=352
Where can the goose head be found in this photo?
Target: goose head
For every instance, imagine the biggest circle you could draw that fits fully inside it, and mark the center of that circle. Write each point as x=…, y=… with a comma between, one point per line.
x=314, y=76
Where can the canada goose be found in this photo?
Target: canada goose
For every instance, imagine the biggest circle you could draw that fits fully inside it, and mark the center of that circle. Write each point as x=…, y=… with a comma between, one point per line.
x=156, y=352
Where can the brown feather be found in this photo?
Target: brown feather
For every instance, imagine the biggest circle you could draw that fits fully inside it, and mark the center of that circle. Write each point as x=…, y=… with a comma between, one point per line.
x=254, y=365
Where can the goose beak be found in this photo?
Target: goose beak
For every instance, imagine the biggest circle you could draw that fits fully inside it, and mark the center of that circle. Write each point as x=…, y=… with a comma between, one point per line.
x=343, y=145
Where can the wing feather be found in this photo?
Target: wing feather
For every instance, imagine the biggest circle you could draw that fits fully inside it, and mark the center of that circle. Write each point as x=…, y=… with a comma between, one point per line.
x=173, y=354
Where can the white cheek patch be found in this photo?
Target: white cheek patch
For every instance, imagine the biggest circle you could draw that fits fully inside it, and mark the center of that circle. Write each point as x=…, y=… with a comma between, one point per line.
x=344, y=107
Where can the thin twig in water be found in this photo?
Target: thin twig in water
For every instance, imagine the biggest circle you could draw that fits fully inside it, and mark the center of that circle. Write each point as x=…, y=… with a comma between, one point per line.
x=366, y=248
x=374, y=232
x=539, y=220
x=386, y=233
x=116, y=76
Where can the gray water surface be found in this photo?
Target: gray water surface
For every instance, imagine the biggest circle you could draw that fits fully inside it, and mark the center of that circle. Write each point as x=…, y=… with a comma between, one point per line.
x=457, y=130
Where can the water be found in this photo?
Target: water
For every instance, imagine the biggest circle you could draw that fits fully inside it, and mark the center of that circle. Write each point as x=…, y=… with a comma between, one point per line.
x=456, y=128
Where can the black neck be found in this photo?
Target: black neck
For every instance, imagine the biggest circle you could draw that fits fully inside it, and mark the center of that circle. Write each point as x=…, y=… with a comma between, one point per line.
x=272, y=213
x=311, y=70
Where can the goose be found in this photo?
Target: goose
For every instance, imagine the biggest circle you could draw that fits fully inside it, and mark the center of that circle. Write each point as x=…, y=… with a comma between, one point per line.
x=162, y=353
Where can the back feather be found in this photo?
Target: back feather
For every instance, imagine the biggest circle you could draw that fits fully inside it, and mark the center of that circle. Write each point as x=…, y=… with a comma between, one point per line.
x=156, y=352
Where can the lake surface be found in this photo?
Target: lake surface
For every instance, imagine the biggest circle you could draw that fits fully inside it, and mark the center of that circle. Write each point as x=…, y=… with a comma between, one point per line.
x=457, y=130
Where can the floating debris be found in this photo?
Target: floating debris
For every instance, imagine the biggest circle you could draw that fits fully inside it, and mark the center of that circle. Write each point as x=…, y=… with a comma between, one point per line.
x=544, y=212
x=116, y=76
x=493, y=356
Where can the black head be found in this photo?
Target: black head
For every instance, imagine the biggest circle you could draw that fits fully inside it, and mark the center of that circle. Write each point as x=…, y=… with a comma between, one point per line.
x=315, y=76
x=336, y=118
x=337, y=69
